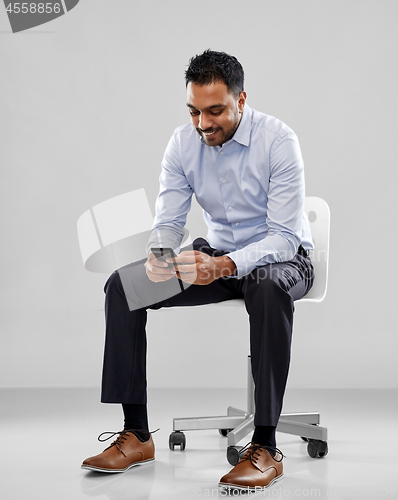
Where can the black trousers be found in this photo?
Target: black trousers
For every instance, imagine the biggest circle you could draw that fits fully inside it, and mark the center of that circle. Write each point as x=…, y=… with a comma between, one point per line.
x=268, y=291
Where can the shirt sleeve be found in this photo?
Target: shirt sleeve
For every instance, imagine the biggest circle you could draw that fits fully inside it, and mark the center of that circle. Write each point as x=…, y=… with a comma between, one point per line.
x=173, y=202
x=285, y=209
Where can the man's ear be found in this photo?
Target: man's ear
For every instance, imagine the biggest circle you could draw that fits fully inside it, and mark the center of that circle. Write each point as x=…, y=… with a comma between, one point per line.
x=241, y=101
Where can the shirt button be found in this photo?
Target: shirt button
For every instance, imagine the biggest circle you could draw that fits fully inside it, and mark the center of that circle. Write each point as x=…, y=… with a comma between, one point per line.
x=224, y=181
x=229, y=208
x=236, y=223
x=221, y=153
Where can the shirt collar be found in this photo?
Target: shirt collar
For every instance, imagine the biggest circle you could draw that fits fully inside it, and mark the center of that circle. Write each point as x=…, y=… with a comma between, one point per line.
x=242, y=134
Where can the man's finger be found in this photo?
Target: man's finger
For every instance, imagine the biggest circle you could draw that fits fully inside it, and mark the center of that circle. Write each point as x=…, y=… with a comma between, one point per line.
x=182, y=259
x=153, y=261
x=159, y=264
x=187, y=257
x=185, y=268
x=159, y=268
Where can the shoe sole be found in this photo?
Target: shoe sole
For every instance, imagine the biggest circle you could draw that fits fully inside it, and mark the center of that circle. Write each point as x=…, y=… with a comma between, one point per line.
x=249, y=488
x=111, y=471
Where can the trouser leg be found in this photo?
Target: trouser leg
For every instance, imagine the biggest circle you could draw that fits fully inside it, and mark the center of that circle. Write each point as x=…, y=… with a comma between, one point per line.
x=269, y=293
x=124, y=366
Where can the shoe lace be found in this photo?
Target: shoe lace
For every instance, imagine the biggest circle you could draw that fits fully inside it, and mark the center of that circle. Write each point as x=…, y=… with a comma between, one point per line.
x=252, y=452
x=121, y=438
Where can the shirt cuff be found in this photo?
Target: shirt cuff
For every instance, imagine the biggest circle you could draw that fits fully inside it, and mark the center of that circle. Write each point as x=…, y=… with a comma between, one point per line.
x=166, y=237
x=242, y=266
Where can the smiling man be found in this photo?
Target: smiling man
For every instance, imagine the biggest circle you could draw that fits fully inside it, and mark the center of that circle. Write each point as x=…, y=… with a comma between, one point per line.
x=246, y=171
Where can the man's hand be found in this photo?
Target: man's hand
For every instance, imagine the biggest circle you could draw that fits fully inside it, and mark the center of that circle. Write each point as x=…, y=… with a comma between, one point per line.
x=197, y=268
x=157, y=270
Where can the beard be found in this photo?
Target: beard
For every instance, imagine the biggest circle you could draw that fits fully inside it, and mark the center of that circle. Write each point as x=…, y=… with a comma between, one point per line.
x=220, y=136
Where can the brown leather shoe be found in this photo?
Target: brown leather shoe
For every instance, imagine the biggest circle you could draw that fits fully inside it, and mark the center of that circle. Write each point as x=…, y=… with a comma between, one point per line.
x=255, y=471
x=125, y=452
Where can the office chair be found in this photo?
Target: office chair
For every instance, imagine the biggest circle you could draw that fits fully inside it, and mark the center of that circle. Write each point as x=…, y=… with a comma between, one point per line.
x=236, y=424
x=110, y=236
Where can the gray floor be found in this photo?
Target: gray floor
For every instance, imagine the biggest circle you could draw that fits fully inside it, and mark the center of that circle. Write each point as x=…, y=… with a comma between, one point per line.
x=46, y=434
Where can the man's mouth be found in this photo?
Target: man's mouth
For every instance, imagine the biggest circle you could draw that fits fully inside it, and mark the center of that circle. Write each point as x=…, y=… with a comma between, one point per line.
x=209, y=134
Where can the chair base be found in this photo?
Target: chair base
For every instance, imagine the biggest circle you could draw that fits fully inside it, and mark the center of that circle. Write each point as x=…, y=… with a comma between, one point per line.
x=237, y=424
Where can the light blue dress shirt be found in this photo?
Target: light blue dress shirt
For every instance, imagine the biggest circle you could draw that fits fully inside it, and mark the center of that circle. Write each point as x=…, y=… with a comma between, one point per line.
x=251, y=190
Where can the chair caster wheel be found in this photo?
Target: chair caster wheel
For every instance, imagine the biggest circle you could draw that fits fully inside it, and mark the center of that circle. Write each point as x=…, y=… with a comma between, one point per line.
x=233, y=455
x=177, y=438
x=317, y=449
x=224, y=432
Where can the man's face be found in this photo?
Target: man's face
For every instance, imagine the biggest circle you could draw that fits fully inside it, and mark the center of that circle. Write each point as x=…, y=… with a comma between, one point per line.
x=215, y=112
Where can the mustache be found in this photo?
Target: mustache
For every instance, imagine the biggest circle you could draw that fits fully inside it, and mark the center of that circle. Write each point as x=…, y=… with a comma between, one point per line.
x=207, y=131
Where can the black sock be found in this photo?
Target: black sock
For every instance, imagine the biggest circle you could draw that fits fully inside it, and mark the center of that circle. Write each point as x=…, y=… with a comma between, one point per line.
x=264, y=435
x=136, y=417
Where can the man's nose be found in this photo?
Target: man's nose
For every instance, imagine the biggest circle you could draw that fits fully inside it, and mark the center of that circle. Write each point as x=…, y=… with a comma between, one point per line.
x=205, y=122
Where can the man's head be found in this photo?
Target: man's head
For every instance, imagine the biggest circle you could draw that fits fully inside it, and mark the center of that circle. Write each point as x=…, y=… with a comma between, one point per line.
x=211, y=67
x=215, y=95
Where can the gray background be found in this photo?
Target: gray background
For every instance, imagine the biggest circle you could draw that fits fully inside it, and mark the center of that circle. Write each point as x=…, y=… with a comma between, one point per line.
x=88, y=103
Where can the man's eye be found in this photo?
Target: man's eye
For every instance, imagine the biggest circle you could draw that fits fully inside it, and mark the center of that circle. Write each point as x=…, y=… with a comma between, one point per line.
x=194, y=113
x=216, y=113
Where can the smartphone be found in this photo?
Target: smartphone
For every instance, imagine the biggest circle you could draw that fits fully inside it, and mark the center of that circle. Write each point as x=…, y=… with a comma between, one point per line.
x=163, y=254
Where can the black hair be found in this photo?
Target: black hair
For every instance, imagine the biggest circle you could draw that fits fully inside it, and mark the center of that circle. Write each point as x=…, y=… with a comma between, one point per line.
x=211, y=67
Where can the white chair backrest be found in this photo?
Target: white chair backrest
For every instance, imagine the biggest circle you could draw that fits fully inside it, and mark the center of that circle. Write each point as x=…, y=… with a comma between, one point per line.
x=318, y=214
